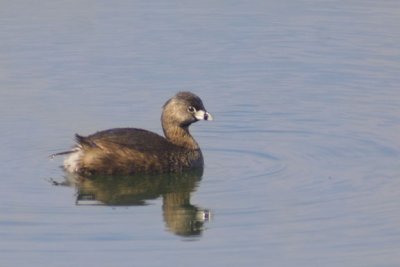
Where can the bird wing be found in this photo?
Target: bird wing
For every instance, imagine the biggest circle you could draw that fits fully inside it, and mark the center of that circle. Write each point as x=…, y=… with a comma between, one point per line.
x=132, y=138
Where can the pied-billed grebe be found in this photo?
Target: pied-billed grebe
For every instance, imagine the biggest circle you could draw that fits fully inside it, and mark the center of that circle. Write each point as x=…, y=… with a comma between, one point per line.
x=131, y=151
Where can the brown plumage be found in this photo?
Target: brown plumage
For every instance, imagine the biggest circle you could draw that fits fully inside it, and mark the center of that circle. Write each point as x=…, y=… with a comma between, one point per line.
x=130, y=150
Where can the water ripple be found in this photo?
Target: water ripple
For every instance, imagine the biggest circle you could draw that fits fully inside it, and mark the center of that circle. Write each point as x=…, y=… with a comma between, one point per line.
x=245, y=163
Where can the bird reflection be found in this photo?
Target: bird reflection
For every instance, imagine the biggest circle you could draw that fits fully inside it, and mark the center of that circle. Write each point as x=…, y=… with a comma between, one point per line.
x=180, y=216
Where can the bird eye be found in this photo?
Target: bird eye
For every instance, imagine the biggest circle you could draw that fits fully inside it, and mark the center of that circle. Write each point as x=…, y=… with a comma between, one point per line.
x=191, y=109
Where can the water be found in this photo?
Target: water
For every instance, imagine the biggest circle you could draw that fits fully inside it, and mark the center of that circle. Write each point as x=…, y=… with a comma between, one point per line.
x=302, y=160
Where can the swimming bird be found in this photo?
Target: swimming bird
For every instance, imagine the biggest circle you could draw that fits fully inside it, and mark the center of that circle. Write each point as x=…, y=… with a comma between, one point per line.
x=124, y=151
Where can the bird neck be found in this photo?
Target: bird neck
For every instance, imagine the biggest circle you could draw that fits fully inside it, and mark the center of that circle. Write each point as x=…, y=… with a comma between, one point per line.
x=180, y=136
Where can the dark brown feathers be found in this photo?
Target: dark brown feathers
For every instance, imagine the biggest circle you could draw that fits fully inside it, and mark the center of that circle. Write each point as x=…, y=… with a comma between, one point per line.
x=132, y=150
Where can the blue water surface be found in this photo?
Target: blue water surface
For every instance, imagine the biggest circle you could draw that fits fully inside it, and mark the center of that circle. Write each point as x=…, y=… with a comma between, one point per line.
x=302, y=160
